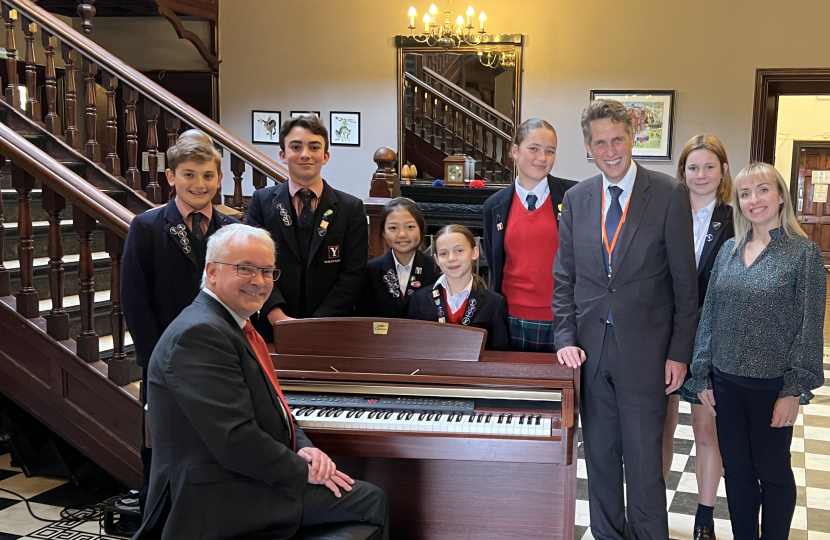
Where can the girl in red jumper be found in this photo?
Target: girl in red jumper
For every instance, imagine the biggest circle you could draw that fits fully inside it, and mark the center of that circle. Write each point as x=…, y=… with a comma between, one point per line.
x=460, y=296
x=521, y=236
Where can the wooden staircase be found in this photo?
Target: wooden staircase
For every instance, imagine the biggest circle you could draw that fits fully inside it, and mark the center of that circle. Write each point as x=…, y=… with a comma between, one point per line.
x=67, y=204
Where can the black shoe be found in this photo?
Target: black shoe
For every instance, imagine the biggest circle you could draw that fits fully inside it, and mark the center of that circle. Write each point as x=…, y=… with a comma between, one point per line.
x=702, y=532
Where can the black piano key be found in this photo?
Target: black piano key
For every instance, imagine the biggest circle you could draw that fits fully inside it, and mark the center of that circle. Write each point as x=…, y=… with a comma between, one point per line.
x=438, y=416
x=501, y=418
x=538, y=419
x=521, y=419
x=339, y=412
x=458, y=417
x=429, y=416
x=479, y=418
x=401, y=415
x=388, y=415
x=489, y=415
x=472, y=416
x=409, y=415
x=421, y=416
x=509, y=419
x=360, y=413
x=351, y=413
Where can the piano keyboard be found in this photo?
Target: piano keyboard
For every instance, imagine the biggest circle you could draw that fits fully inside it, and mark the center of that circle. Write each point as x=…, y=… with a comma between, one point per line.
x=472, y=423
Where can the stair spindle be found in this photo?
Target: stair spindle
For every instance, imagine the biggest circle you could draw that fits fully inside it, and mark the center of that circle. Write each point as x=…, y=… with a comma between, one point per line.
x=5, y=275
x=32, y=103
x=133, y=175
x=93, y=149
x=118, y=366
x=27, y=297
x=151, y=111
x=57, y=321
x=112, y=162
x=260, y=180
x=172, y=124
x=237, y=168
x=87, y=340
x=53, y=121
x=12, y=92
x=73, y=138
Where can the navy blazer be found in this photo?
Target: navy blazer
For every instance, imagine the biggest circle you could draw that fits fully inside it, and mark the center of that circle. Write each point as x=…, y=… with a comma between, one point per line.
x=490, y=314
x=377, y=301
x=336, y=264
x=496, y=213
x=223, y=466
x=159, y=274
x=720, y=230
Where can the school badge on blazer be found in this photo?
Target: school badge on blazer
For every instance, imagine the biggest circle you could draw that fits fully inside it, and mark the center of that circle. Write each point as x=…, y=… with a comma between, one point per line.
x=333, y=254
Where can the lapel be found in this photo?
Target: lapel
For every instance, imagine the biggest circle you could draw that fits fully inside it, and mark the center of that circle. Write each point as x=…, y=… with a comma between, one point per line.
x=478, y=298
x=388, y=276
x=420, y=264
x=721, y=216
x=592, y=214
x=639, y=200
x=501, y=213
x=439, y=304
x=175, y=228
x=557, y=193
x=282, y=200
x=328, y=201
x=218, y=221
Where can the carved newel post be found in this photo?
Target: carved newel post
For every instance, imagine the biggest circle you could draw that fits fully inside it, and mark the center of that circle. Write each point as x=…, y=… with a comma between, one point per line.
x=385, y=181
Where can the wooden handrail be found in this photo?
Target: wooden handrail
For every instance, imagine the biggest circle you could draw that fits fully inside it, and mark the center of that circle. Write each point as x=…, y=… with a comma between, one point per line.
x=455, y=88
x=72, y=187
x=145, y=86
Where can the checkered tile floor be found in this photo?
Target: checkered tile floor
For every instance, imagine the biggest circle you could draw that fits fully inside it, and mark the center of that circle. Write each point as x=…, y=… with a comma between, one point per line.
x=810, y=462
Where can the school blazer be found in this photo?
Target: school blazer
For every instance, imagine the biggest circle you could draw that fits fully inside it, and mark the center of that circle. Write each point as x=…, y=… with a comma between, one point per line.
x=376, y=300
x=720, y=230
x=159, y=274
x=336, y=264
x=490, y=314
x=497, y=211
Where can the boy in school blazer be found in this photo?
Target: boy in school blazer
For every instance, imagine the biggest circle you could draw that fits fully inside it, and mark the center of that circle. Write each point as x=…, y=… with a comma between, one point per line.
x=323, y=245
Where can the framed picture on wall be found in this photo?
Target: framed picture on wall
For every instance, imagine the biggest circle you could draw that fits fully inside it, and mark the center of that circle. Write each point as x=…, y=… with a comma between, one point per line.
x=295, y=114
x=265, y=127
x=653, y=114
x=344, y=129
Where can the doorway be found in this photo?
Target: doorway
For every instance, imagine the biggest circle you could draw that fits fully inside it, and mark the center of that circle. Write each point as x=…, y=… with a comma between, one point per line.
x=809, y=183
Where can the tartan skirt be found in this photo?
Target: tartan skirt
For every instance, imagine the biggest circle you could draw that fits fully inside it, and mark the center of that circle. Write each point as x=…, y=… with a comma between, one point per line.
x=530, y=336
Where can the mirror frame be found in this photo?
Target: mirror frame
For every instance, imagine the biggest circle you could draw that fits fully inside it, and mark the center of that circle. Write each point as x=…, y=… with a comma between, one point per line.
x=489, y=43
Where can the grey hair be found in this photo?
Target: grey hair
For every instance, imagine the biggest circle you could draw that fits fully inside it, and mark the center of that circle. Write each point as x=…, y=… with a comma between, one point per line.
x=531, y=124
x=600, y=109
x=217, y=246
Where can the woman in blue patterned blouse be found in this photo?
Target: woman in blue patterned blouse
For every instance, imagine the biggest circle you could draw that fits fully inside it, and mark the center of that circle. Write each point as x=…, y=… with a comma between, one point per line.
x=761, y=339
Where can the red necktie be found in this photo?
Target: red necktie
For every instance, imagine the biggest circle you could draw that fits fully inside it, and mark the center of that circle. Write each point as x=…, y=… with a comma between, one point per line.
x=264, y=357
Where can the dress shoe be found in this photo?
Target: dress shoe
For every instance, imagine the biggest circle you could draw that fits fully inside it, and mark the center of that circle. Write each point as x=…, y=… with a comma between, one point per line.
x=702, y=532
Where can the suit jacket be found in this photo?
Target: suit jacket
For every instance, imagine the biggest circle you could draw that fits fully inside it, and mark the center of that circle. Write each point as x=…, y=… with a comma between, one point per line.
x=497, y=211
x=490, y=314
x=222, y=460
x=160, y=275
x=377, y=301
x=721, y=229
x=653, y=289
x=336, y=264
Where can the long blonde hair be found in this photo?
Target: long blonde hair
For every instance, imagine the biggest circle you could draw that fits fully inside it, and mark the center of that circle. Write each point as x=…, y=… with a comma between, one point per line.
x=786, y=216
x=706, y=141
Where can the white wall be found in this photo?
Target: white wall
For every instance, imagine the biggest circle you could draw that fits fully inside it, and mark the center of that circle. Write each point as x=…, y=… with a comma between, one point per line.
x=800, y=118
x=285, y=55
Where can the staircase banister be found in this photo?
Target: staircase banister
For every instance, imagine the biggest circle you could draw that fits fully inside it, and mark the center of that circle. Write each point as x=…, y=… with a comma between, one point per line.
x=130, y=76
x=72, y=187
x=469, y=96
x=474, y=117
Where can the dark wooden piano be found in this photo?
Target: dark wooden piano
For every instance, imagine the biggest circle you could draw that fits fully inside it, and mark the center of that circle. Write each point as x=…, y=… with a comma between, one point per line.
x=467, y=443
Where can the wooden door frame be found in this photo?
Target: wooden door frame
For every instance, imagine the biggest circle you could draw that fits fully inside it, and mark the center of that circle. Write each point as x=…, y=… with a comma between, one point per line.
x=769, y=85
x=797, y=147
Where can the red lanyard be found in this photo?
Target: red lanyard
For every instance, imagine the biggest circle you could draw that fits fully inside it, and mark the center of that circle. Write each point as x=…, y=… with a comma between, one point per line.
x=610, y=248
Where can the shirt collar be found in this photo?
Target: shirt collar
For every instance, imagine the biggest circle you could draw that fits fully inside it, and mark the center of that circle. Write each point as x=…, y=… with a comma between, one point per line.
x=316, y=187
x=398, y=263
x=442, y=281
x=540, y=189
x=185, y=209
x=626, y=184
x=239, y=320
x=706, y=211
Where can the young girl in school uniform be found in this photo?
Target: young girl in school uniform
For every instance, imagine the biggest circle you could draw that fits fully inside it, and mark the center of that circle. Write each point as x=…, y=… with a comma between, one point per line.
x=393, y=278
x=521, y=236
x=459, y=296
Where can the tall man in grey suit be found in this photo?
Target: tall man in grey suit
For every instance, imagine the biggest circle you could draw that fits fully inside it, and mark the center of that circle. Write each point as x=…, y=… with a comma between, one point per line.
x=625, y=305
x=229, y=461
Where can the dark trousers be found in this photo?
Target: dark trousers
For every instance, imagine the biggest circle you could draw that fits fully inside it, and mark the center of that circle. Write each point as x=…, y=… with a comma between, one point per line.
x=756, y=461
x=620, y=425
x=146, y=453
x=365, y=503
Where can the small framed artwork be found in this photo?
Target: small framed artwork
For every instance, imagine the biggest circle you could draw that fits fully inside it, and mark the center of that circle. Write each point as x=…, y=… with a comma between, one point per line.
x=295, y=114
x=265, y=127
x=344, y=129
x=653, y=114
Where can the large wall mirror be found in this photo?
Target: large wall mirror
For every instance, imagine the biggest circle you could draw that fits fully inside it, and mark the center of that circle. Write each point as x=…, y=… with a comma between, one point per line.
x=465, y=100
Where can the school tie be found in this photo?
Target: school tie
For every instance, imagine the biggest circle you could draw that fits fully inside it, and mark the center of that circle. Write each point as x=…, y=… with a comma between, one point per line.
x=531, y=201
x=613, y=216
x=264, y=357
x=306, y=196
x=197, y=231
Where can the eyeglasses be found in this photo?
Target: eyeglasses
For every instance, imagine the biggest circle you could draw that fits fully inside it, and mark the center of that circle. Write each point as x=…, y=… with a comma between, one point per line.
x=249, y=272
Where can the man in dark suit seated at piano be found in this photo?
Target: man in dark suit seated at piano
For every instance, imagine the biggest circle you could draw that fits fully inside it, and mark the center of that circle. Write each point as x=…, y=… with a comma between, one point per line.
x=229, y=461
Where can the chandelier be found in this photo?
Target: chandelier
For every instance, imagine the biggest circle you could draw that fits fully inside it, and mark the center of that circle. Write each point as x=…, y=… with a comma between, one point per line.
x=449, y=35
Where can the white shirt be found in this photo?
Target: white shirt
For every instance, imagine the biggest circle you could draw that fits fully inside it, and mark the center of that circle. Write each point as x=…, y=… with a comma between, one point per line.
x=403, y=272
x=701, y=221
x=542, y=190
x=239, y=320
x=456, y=301
x=626, y=184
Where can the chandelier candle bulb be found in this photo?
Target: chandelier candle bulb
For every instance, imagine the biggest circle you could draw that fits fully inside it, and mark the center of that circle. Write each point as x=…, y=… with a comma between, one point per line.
x=459, y=24
x=470, y=13
x=481, y=18
x=432, y=11
x=412, y=17
x=426, y=23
